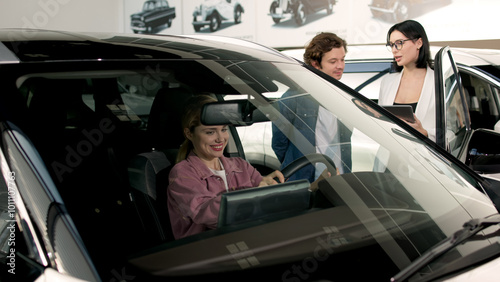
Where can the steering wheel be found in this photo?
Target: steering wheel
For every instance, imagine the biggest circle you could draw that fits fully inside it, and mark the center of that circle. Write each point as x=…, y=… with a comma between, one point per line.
x=301, y=162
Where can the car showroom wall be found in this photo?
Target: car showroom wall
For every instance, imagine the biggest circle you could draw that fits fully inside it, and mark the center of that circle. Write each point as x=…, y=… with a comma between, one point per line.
x=273, y=23
x=70, y=15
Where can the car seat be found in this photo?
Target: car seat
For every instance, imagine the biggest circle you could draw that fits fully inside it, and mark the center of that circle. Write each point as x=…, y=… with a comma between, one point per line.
x=148, y=171
x=47, y=116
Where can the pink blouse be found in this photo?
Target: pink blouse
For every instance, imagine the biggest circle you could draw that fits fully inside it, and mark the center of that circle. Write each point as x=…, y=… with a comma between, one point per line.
x=194, y=192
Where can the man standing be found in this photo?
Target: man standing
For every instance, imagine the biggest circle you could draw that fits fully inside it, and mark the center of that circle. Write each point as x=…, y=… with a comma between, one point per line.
x=323, y=133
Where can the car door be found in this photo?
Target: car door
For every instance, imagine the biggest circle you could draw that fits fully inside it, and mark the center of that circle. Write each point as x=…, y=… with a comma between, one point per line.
x=225, y=8
x=453, y=126
x=479, y=148
x=318, y=5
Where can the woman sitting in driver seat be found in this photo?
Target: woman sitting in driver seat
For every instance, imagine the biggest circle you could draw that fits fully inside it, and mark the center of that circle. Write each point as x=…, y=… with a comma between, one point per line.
x=202, y=174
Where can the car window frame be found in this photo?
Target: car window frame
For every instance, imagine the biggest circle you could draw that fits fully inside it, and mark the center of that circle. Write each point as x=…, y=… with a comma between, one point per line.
x=40, y=236
x=442, y=56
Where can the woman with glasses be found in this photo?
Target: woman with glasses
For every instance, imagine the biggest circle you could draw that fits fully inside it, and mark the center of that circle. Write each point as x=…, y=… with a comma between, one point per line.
x=412, y=82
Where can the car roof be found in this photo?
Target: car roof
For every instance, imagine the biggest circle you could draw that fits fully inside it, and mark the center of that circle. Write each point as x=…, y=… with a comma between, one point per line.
x=31, y=45
x=466, y=56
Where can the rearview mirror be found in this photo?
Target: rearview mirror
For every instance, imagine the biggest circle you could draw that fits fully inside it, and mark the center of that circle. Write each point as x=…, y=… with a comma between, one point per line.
x=233, y=112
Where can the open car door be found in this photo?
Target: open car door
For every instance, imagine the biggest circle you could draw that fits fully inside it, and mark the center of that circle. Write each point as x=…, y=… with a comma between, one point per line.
x=452, y=114
x=480, y=149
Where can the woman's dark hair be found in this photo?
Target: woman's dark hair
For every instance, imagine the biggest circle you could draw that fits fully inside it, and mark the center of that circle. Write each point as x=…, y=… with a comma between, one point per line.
x=321, y=44
x=413, y=30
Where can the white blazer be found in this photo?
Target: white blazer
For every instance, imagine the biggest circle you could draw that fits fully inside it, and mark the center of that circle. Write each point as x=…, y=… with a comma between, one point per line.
x=426, y=107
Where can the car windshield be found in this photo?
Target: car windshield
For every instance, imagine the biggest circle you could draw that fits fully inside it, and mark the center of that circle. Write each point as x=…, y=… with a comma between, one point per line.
x=445, y=258
x=394, y=198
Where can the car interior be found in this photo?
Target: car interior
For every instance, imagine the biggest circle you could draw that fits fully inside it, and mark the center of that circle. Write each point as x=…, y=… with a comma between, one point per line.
x=110, y=151
x=108, y=158
x=482, y=101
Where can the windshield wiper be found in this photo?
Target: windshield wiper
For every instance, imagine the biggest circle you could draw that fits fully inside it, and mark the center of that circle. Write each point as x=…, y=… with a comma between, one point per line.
x=470, y=228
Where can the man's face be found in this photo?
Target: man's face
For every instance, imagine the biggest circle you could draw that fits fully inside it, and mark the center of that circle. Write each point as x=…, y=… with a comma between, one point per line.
x=332, y=63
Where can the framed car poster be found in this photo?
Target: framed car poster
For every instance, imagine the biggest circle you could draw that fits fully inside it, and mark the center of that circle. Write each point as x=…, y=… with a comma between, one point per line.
x=293, y=23
x=283, y=23
x=233, y=18
x=153, y=16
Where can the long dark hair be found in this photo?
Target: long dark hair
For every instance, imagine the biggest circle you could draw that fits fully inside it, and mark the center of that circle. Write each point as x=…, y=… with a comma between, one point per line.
x=413, y=30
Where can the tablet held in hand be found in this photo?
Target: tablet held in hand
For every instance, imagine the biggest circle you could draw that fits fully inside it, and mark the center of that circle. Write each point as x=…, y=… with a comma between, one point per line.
x=404, y=112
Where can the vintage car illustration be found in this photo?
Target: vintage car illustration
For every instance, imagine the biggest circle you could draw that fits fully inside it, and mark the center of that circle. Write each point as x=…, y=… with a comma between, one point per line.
x=214, y=12
x=155, y=13
x=298, y=9
x=400, y=10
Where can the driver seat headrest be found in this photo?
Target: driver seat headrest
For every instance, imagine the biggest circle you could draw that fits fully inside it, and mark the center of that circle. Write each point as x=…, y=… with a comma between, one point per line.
x=164, y=124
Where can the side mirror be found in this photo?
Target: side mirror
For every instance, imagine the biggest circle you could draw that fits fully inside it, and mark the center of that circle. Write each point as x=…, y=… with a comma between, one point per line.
x=483, y=153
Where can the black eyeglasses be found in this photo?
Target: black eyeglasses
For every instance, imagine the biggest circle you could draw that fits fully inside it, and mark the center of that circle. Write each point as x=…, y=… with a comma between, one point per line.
x=398, y=44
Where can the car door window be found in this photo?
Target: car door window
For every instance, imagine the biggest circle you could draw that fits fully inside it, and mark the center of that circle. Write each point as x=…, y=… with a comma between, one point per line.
x=452, y=115
x=483, y=99
x=455, y=116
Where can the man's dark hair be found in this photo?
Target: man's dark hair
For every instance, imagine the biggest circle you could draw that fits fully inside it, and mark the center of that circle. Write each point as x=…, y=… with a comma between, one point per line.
x=321, y=44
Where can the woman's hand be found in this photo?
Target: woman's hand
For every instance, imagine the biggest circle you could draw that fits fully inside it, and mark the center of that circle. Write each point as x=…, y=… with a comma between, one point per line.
x=418, y=126
x=269, y=179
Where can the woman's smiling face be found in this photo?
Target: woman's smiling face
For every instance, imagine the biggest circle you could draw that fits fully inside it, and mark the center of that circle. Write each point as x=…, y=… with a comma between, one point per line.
x=208, y=141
